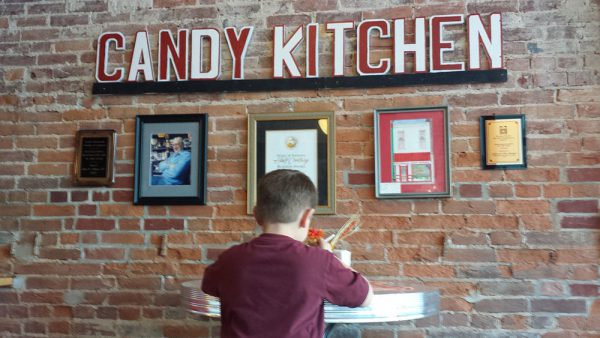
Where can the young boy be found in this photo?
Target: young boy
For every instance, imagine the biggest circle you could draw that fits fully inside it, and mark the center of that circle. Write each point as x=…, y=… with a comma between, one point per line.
x=274, y=285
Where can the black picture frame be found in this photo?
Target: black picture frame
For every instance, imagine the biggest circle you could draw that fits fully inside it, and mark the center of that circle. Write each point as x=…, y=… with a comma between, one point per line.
x=318, y=128
x=412, y=153
x=170, y=159
x=503, y=142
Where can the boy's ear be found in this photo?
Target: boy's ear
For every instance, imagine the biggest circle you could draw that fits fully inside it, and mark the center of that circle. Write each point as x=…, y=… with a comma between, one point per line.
x=259, y=221
x=306, y=217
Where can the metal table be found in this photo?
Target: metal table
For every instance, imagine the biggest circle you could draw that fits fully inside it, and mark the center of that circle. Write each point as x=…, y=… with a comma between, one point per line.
x=393, y=301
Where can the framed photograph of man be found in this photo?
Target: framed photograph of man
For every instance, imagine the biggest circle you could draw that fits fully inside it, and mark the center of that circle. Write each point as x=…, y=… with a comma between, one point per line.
x=170, y=159
x=300, y=141
x=411, y=153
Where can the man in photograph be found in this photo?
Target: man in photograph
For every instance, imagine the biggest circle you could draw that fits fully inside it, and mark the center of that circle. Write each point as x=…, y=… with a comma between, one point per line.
x=175, y=170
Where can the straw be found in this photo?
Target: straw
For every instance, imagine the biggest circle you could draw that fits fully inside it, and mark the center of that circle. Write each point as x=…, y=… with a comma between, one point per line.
x=351, y=226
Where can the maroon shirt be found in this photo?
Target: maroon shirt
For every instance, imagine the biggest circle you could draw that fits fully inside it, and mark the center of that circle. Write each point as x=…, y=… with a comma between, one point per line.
x=274, y=286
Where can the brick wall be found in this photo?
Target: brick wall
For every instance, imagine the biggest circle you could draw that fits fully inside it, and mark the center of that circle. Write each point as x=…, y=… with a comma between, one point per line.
x=515, y=253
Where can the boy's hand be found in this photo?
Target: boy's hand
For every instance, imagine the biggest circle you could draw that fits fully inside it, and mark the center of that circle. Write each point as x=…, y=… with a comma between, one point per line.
x=325, y=245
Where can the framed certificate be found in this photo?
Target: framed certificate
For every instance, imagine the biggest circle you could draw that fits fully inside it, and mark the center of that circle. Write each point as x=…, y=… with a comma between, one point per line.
x=95, y=157
x=411, y=153
x=170, y=159
x=300, y=141
x=503, y=142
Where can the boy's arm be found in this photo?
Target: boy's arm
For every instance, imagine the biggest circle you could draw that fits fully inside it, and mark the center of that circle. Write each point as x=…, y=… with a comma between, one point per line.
x=326, y=246
x=369, y=297
x=209, y=283
x=343, y=281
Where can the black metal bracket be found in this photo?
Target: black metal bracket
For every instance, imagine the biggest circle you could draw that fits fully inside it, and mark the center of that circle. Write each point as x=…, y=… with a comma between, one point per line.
x=378, y=81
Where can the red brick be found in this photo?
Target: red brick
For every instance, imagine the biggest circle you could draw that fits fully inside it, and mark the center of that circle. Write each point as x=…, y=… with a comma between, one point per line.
x=233, y=225
x=428, y=271
x=42, y=297
x=122, y=195
x=59, y=327
x=505, y=238
x=419, y=238
x=584, y=175
x=500, y=305
x=128, y=313
x=123, y=238
x=87, y=210
x=556, y=190
x=501, y=190
x=46, y=282
x=68, y=20
x=105, y=254
x=577, y=206
x=470, y=190
x=583, y=222
x=163, y=224
x=470, y=207
x=467, y=238
x=386, y=207
x=528, y=191
x=288, y=20
x=58, y=253
x=187, y=330
x=79, y=196
x=524, y=255
x=121, y=210
x=578, y=256
x=129, y=298
x=315, y=6
x=536, y=222
x=92, y=283
x=577, y=95
x=474, y=100
x=58, y=196
x=184, y=253
x=590, y=110
x=95, y=224
x=140, y=283
x=533, y=175
x=558, y=305
x=584, y=290
x=527, y=97
x=470, y=255
x=53, y=210
x=523, y=207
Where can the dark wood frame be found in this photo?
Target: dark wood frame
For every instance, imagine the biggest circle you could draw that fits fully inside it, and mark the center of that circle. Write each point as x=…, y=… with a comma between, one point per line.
x=108, y=177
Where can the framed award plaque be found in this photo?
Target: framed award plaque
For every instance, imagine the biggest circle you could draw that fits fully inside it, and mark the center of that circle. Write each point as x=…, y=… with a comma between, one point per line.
x=300, y=141
x=411, y=153
x=95, y=157
x=503, y=142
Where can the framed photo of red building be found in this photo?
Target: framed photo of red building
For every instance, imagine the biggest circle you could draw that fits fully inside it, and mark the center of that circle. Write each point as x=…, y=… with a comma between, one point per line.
x=411, y=153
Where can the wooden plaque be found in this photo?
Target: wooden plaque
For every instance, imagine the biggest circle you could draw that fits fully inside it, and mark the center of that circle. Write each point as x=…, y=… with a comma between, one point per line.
x=95, y=157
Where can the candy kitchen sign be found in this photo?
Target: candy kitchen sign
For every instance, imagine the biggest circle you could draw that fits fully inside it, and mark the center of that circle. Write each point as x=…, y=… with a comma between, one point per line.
x=189, y=60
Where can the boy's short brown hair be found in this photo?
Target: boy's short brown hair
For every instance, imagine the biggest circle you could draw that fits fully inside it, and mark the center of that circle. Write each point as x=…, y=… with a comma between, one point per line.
x=282, y=195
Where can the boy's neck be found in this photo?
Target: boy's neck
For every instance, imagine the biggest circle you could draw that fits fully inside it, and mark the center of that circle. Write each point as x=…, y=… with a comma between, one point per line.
x=285, y=229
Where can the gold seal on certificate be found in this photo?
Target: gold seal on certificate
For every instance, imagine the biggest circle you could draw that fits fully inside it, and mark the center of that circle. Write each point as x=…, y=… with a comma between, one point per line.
x=291, y=142
x=503, y=142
